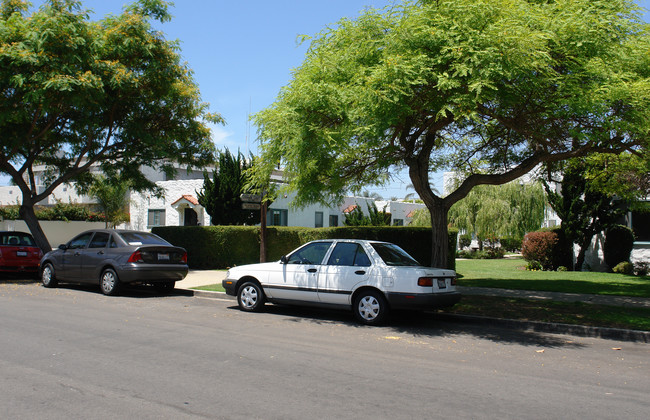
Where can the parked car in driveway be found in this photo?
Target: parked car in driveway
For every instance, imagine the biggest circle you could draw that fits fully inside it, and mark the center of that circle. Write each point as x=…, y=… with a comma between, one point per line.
x=19, y=253
x=111, y=258
x=369, y=277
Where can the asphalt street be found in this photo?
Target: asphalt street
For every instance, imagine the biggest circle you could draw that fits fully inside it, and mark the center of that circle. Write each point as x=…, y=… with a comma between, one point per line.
x=74, y=353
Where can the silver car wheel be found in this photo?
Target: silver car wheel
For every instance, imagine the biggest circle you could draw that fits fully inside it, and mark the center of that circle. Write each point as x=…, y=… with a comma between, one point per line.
x=369, y=308
x=47, y=276
x=250, y=297
x=109, y=282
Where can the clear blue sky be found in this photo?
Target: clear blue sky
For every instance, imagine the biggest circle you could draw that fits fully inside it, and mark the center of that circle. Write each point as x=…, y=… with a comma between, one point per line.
x=243, y=52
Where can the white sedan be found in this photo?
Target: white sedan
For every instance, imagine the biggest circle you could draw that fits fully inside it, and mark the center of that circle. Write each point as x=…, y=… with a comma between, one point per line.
x=369, y=277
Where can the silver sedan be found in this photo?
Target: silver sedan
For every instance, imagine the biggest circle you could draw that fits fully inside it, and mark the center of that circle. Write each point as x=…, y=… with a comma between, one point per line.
x=111, y=258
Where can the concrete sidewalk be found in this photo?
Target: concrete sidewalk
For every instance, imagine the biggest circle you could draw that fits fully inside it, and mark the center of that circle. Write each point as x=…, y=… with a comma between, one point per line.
x=196, y=278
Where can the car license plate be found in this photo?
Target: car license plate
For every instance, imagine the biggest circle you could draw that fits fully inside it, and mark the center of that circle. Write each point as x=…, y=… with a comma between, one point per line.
x=21, y=253
x=163, y=257
x=442, y=284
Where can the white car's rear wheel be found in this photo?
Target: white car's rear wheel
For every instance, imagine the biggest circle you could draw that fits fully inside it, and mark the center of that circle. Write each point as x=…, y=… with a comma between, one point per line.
x=370, y=307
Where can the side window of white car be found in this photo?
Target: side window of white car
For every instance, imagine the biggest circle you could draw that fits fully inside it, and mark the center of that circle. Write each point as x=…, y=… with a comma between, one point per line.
x=310, y=254
x=349, y=254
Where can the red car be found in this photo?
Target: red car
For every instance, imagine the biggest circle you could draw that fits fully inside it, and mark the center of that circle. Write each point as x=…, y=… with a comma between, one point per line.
x=19, y=253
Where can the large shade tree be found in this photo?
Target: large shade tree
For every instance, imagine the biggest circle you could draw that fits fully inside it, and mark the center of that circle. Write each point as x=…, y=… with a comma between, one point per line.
x=487, y=88
x=77, y=93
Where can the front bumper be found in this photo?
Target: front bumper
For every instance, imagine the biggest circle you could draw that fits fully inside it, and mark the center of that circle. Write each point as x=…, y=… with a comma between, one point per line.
x=428, y=301
x=230, y=286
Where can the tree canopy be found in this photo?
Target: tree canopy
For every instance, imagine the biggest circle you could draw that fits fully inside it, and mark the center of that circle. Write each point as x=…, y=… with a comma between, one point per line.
x=487, y=88
x=77, y=93
x=509, y=210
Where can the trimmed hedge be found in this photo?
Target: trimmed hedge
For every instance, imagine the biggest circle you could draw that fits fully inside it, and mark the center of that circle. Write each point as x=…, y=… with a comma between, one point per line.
x=210, y=247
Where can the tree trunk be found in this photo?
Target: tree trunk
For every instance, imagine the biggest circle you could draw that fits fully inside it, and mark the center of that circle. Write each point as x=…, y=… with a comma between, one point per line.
x=263, y=232
x=439, y=235
x=27, y=214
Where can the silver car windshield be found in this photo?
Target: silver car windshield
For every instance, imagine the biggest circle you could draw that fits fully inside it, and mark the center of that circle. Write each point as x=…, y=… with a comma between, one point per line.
x=142, y=238
x=394, y=255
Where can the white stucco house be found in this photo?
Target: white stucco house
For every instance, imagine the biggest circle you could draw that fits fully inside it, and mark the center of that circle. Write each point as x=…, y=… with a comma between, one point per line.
x=179, y=206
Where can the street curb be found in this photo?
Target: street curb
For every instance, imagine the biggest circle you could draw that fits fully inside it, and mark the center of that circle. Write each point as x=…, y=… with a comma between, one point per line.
x=552, y=327
x=537, y=326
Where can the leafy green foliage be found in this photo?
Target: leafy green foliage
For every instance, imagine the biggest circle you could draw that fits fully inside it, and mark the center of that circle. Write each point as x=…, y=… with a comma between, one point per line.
x=489, y=89
x=221, y=195
x=60, y=211
x=78, y=93
x=112, y=198
x=512, y=209
x=375, y=217
x=584, y=209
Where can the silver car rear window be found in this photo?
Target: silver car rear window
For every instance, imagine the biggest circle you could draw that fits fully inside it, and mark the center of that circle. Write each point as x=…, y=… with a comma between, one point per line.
x=142, y=238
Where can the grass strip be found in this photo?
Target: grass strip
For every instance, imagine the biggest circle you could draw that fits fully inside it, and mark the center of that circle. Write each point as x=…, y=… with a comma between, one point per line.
x=576, y=313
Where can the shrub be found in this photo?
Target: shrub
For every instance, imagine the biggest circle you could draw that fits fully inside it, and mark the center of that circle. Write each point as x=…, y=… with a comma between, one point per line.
x=624, y=267
x=534, y=266
x=59, y=211
x=491, y=253
x=538, y=246
x=464, y=241
x=510, y=244
x=619, y=241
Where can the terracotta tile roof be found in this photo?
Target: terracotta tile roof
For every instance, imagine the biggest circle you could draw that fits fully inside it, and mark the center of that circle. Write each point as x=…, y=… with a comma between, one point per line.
x=349, y=209
x=189, y=198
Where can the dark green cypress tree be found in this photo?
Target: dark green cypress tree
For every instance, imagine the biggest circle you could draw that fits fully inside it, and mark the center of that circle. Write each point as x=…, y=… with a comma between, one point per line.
x=221, y=195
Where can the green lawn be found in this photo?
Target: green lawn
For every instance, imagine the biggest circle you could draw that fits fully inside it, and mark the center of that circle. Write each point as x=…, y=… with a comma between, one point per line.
x=510, y=273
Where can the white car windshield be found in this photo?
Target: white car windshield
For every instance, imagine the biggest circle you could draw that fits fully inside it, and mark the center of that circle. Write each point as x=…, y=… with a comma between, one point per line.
x=394, y=255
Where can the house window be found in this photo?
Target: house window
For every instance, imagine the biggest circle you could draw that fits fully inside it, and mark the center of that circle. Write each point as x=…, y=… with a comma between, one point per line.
x=319, y=219
x=156, y=218
x=641, y=226
x=277, y=217
x=334, y=220
x=398, y=222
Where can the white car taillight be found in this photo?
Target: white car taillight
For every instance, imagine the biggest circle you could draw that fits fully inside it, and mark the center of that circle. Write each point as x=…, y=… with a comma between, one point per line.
x=425, y=281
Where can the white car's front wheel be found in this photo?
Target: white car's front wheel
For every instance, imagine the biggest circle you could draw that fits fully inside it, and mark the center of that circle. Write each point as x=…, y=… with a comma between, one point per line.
x=250, y=297
x=370, y=307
